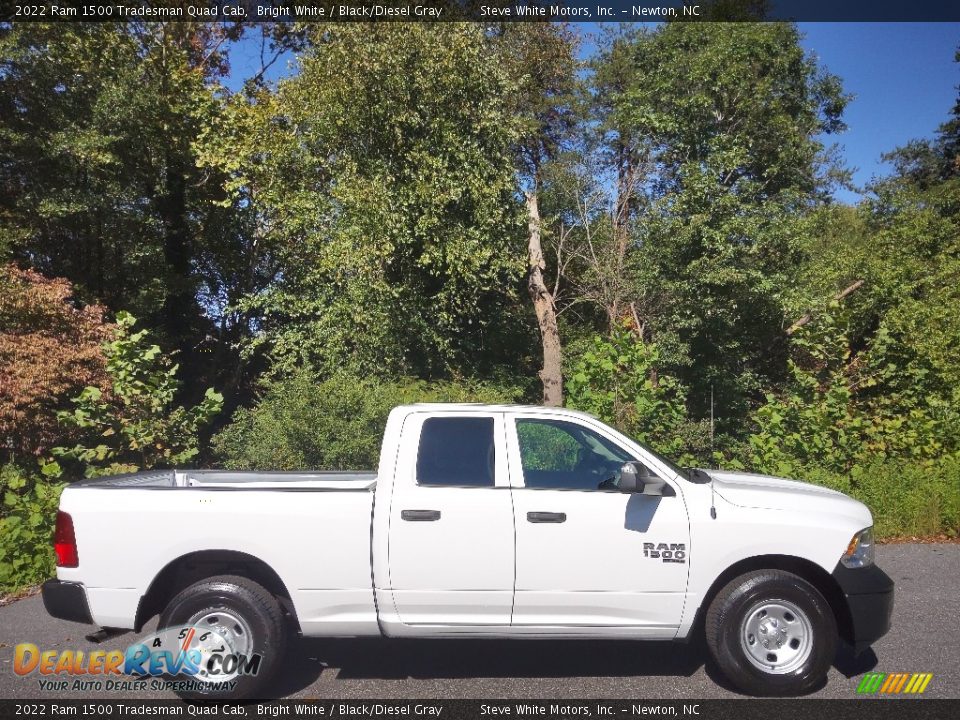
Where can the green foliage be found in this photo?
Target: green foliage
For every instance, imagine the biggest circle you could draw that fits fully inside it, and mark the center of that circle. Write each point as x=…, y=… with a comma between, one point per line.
x=137, y=426
x=909, y=498
x=99, y=178
x=616, y=379
x=734, y=159
x=841, y=412
x=865, y=426
x=101, y=182
x=27, y=514
x=399, y=230
x=362, y=218
x=871, y=405
x=302, y=422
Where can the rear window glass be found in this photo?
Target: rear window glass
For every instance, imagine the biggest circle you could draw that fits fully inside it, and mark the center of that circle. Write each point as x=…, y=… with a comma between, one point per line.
x=456, y=451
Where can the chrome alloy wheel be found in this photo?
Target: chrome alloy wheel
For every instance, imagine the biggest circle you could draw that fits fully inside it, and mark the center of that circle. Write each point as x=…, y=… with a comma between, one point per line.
x=776, y=636
x=220, y=632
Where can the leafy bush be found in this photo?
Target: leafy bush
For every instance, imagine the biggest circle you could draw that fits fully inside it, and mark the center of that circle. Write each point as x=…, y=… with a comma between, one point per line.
x=910, y=498
x=614, y=380
x=49, y=350
x=138, y=426
x=27, y=514
x=865, y=426
x=841, y=411
x=304, y=423
x=134, y=426
x=906, y=498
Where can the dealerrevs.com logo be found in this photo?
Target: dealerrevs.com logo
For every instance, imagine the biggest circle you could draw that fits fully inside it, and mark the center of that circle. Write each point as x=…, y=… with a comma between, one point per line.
x=894, y=683
x=188, y=658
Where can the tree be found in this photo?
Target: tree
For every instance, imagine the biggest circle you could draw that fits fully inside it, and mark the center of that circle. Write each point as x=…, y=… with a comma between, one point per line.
x=899, y=250
x=137, y=426
x=870, y=405
x=50, y=349
x=399, y=233
x=100, y=183
x=541, y=57
x=623, y=165
x=735, y=159
x=611, y=380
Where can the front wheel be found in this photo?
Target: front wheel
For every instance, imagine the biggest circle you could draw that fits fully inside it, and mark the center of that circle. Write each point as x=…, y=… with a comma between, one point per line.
x=772, y=633
x=235, y=630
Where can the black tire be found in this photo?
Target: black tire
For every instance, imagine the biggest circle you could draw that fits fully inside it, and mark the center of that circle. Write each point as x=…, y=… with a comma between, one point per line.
x=255, y=606
x=727, y=633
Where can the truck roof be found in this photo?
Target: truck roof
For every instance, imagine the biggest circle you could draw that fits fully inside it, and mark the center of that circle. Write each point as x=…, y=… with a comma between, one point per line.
x=496, y=408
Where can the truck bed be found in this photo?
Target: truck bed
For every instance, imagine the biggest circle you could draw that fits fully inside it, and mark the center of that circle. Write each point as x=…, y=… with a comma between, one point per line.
x=311, y=528
x=356, y=481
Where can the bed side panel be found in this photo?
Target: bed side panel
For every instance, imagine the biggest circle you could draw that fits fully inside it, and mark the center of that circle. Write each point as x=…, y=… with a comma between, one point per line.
x=317, y=542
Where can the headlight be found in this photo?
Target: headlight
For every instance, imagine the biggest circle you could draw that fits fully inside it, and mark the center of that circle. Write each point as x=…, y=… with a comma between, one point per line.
x=860, y=550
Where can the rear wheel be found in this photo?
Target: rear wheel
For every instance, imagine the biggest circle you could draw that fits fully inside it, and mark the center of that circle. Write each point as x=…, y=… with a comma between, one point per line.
x=236, y=628
x=772, y=633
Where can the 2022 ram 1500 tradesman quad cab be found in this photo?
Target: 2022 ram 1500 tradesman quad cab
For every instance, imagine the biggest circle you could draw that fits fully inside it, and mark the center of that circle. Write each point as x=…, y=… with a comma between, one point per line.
x=481, y=521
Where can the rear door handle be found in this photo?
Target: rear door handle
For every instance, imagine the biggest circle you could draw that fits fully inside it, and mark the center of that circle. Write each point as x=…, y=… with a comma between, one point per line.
x=546, y=517
x=420, y=515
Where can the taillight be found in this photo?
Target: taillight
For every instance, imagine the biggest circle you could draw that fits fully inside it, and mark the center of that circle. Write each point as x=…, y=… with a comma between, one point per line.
x=65, y=542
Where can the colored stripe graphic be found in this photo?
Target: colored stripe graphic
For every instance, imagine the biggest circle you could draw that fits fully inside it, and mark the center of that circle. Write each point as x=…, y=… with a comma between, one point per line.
x=870, y=683
x=894, y=683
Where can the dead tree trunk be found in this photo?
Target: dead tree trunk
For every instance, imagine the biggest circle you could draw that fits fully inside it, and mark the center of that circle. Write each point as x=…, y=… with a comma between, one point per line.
x=552, y=373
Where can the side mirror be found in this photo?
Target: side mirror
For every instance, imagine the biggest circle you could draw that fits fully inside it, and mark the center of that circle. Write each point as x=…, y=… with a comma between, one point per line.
x=635, y=477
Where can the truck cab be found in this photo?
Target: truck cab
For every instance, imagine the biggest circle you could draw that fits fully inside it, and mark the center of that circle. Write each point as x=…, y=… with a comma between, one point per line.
x=497, y=519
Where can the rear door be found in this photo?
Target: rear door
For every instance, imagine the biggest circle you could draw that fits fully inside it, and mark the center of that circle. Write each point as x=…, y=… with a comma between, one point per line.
x=451, y=537
x=588, y=555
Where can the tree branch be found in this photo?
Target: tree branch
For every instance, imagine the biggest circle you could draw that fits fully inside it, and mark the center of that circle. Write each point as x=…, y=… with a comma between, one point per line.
x=799, y=323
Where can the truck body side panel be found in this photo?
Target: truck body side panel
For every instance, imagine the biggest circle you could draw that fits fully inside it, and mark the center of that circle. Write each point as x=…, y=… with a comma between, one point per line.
x=318, y=543
x=741, y=533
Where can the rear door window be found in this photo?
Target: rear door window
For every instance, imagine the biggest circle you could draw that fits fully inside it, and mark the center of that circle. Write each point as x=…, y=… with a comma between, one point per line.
x=456, y=451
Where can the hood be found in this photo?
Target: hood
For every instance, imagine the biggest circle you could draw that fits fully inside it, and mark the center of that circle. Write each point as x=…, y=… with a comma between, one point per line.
x=765, y=491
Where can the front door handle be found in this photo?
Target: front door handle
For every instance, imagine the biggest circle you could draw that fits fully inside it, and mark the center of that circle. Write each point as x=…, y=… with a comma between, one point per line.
x=420, y=515
x=546, y=517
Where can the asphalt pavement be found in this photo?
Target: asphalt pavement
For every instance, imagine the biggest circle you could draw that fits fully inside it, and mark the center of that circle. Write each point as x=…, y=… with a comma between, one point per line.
x=925, y=638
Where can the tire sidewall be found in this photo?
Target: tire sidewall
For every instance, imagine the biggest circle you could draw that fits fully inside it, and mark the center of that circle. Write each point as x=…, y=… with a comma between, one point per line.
x=733, y=657
x=237, y=599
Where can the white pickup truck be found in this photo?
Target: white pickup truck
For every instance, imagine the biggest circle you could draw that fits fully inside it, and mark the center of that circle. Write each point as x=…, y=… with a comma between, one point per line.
x=481, y=521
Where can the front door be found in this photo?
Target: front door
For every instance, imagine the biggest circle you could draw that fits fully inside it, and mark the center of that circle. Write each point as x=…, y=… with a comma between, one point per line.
x=451, y=521
x=587, y=554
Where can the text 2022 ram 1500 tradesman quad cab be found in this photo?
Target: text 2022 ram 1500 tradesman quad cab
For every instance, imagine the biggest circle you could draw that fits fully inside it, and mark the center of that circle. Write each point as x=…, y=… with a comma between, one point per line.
x=481, y=521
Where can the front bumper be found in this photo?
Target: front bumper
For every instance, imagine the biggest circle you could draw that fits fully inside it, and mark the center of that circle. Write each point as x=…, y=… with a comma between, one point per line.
x=66, y=601
x=869, y=595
